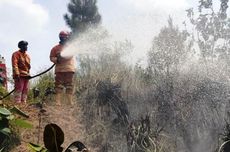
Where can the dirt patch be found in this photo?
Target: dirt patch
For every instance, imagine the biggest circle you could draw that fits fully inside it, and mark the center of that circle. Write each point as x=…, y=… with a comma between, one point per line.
x=66, y=116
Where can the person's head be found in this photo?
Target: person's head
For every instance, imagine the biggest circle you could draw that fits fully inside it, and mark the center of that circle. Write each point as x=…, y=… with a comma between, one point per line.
x=64, y=36
x=22, y=45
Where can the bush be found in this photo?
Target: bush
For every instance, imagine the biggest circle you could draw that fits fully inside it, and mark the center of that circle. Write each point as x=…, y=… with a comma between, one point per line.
x=43, y=84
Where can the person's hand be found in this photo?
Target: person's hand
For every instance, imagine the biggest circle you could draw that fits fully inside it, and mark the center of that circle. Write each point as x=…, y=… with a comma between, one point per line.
x=59, y=58
x=17, y=77
x=28, y=77
x=29, y=66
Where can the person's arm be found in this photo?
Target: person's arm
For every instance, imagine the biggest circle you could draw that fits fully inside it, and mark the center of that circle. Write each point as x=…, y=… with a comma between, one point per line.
x=15, y=65
x=28, y=62
x=53, y=56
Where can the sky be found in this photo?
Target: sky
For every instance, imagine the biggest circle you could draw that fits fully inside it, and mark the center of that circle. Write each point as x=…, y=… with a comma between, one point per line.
x=40, y=21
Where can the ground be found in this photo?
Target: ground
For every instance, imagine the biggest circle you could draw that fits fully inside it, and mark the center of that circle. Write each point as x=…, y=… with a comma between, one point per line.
x=66, y=116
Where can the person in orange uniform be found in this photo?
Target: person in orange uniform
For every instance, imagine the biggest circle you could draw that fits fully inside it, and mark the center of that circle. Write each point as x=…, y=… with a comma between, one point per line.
x=64, y=69
x=21, y=72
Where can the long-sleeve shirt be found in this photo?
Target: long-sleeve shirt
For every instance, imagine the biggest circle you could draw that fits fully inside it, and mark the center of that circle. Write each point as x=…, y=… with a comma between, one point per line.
x=65, y=64
x=20, y=64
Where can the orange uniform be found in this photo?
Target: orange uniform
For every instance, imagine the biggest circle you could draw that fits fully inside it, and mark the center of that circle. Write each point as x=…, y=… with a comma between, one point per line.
x=65, y=65
x=64, y=73
x=20, y=64
x=21, y=68
x=64, y=69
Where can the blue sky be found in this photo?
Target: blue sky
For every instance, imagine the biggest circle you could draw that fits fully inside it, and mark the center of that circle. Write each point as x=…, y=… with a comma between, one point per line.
x=40, y=21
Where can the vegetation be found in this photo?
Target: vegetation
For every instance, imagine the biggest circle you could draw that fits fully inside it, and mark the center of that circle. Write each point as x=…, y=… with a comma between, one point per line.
x=210, y=27
x=3, y=91
x=83, y=14
x=53, y=139
x=178, y=102
x=184, y=87
x=42, y=88
x=8, y=124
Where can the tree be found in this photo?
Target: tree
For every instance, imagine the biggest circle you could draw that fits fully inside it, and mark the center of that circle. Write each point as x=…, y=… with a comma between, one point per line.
x=83, y=14
x=168, y=49
x=211, y=30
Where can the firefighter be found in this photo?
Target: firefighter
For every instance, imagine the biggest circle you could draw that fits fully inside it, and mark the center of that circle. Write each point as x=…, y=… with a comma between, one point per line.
x=64, y=69
x=21, y=72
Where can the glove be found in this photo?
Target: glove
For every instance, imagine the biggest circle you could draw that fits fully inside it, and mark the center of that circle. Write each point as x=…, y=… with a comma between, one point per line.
x=27, y=77
x=17, y=77
x=59, y=58
x=29, y=66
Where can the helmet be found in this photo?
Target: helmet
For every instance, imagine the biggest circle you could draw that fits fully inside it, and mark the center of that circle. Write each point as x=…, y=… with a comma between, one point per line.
x=64, y=34
x=22, y=44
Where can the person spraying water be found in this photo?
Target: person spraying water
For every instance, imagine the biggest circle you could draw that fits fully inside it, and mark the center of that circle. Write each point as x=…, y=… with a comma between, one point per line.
x=64, y=69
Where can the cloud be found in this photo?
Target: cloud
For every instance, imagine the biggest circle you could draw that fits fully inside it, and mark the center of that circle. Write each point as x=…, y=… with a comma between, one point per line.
x=21, y=18
x=154, y=5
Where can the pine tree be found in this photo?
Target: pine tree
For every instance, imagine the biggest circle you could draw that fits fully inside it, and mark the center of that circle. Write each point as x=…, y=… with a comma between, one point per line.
x=83, y=14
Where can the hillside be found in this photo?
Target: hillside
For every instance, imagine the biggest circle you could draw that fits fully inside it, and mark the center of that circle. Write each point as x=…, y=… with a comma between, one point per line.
x=106, y=120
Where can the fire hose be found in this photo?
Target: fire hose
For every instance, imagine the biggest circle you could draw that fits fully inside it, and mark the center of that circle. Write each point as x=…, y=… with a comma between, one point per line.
x=29, y=77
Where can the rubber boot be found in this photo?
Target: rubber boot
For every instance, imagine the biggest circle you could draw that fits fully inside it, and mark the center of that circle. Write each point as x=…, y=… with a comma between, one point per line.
x=24, y=98
x=58, y=99
x=17, y=97
x=70, y=99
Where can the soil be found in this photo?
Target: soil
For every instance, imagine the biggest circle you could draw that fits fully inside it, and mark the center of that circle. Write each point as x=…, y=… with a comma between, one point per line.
x=67, y=117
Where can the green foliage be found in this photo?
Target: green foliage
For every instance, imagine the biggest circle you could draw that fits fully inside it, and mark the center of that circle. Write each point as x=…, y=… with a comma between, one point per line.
x=16, y=110
x=4, y=112
x=3, y=91
x=9, y=121
x=37, y=148
x=4, y=122
x=4, y=127
x=21, y=123
x=53, y=139
x=45, y=81
x=83, y=14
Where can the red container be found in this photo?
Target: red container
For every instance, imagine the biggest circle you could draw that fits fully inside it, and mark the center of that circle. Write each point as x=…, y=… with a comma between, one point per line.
x=3, y=76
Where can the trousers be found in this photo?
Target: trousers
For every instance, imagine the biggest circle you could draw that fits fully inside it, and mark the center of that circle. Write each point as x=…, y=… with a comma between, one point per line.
x=21, y=86
x=64, y=80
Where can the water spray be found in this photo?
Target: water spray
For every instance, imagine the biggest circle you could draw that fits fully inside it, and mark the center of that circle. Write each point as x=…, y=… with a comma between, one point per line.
x=91, y=42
